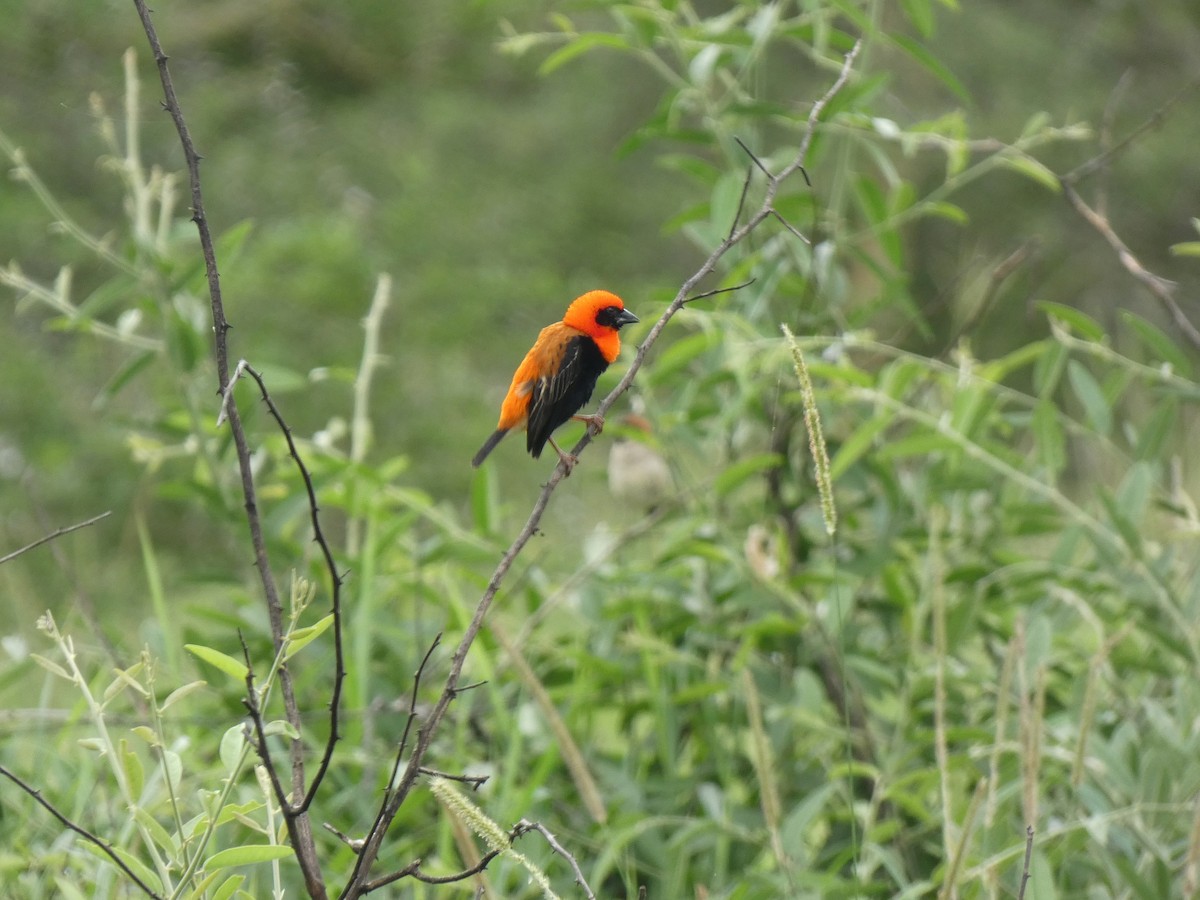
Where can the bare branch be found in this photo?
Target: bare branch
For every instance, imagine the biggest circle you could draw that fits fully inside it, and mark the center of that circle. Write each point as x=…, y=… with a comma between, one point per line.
x=339, y=675
x=525, y=825
x=1025, y=867
x=1156, y=118
x=301, y=828
x=413, y=870
x=724, y=290
x=104, y=845
x=57, y=533
x=475, y=781
x=401, y=789
x=1162, y=289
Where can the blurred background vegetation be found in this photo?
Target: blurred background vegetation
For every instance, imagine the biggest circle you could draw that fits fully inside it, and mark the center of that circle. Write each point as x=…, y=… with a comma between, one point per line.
x=1011, y=596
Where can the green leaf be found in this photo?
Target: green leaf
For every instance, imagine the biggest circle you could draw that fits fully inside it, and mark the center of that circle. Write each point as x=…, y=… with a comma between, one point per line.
x=248, y=855
x=944, y=210
x=1031, y=169
x=215, y=658
x=1133, y=496
x=579, y=46
x=745, y=469
x=1161, y=347
x=226, y=890
x=302, y=637
x=50, y=666
x=281, y=726
x=1156, y=431
x=920, y=13
x=920, y=444
x=1091, y=395
x=1187, y=248
x=131, y=765
x=1127, y=527
x=857, y=444
x=124, y=375
x=233, y=741
x=1049, y=437
x=154, y=828
x=724, y=200
x=146, y=733
x=1083, y=324
x=681, y=353
x=180, y=692
x=139, y=868
x=934, y=65
x=200, y=892
x=1048, y=369
x=125, y=679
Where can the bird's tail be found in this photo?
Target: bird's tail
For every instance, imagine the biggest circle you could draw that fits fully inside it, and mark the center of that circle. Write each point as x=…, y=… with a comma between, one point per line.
x=488, y=446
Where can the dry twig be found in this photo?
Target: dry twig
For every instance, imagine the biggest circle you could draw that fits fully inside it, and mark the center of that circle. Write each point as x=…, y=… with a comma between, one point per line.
x=57, y=533
x=104, y=845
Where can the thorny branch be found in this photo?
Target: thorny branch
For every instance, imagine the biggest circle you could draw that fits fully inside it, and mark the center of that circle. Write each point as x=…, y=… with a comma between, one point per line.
x=104, y=845
x=292, y=810
x=400, y=789
x=57, y=533
x=300, y=828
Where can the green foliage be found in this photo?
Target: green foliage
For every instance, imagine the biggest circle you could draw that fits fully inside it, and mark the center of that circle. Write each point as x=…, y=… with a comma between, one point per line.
x=726, y=695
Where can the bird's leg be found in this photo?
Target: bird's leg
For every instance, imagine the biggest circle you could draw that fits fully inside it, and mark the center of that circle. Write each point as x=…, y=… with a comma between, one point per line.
x=595, y=422
x=568, y=460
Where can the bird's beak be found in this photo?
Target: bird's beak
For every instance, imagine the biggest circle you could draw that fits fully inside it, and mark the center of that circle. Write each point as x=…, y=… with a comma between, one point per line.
x=625, y=317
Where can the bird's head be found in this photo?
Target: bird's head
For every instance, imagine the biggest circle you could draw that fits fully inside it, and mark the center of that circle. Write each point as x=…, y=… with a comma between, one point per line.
x=598, y=314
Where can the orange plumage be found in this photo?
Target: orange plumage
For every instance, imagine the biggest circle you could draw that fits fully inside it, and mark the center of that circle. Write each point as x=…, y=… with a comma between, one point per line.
x=559, y=373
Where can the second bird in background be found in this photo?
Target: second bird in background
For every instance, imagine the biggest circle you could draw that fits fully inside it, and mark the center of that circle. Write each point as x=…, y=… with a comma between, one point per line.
x=559, y=373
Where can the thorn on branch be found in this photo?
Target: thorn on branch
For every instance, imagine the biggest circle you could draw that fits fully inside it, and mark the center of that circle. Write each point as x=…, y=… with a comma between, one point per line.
x=475, y=781
x=355, y=844
x=724, y=290
x=467, y=687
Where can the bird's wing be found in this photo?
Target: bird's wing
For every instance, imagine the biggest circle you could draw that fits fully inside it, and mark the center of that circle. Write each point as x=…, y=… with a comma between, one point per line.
x=564, y=384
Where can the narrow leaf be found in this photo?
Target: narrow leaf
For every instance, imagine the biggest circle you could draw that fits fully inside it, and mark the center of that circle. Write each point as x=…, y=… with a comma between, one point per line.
x=218, y=660
x=247, y=855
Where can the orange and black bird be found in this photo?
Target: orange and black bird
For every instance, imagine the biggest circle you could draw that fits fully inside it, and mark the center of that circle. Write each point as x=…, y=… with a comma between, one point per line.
x=559, y=373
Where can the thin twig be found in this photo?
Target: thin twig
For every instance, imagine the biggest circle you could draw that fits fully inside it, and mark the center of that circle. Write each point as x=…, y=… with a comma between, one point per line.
x=378, y=825
x=301, y=828
x=1162, y=289
x=526, y=826
x=57, y=533
x=722, y=290
x=1155, y=119
x=1028, y=857
x=104, y=845
x=413, y=870
x=737, y=216
x=475, y=781
x=400, y=790
x=339, y=675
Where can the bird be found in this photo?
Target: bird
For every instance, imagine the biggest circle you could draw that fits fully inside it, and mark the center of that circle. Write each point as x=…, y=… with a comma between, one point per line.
x=558, y=374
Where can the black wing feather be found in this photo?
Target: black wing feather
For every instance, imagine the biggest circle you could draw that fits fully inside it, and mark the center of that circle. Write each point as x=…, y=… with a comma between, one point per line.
x=558, y=397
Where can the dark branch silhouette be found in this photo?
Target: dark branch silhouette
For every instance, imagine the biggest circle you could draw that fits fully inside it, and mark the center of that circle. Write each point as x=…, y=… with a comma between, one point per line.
x=104, y=845
x=57, y=533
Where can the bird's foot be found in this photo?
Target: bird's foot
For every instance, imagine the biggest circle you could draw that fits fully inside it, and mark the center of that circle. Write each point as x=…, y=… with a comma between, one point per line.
x=568, y=460
x=595, y=423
